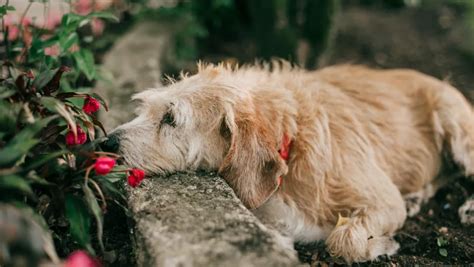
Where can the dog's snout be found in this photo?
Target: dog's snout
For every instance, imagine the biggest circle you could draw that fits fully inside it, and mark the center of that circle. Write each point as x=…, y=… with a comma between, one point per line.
x=112, y=143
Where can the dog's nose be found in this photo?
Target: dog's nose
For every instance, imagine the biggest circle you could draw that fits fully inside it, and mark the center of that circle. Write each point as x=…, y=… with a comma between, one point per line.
x=112, y=143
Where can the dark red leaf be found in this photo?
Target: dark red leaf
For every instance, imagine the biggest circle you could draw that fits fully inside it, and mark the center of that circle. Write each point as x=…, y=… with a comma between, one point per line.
x=98, y=123
x=53, y=85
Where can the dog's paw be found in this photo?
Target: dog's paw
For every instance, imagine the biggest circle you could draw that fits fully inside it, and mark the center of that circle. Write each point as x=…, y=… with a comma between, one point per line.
x=382, y=245
x=413, y=203
x=466, y=212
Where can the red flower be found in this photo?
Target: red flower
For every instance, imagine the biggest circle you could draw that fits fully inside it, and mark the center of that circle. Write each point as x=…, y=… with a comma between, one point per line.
x=104, y=165
x=71, y=140
x=135, y=177
x=91, y=105
x=81, y=259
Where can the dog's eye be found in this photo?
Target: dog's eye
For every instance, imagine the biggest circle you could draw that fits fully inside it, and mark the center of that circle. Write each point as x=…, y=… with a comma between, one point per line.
x=168, y=119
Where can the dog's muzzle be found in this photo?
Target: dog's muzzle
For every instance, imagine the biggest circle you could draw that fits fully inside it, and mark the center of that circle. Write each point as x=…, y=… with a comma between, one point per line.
x=112, y=144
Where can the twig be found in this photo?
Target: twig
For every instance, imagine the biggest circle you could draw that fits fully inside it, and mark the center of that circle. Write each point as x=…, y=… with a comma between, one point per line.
x=410, y=236
x=24, y=15
x=102, y=197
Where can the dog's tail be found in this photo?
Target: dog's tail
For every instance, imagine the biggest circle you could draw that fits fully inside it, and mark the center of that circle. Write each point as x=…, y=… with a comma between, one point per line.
x=455, y=119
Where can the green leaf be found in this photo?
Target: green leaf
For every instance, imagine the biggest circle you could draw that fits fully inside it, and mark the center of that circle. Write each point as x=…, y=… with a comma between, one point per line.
x=441, y=241
x=70, y=22
x=103, y=15
x=4, y=9
x=85, y=63
x=79, y=221
x=6, y=92
x=8, y=116
x=118, y=174
x=96, y=211
x=22, y=142
x=110, y=188
x=443, y=252
x=34, y=178
x=15, y=182
x=42, y=159
x=69, y=40
x=15, y=150
x=54, y=105
x=43, y=78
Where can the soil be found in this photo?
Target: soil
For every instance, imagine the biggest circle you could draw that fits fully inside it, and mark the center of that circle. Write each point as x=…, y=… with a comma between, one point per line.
x=418, y=237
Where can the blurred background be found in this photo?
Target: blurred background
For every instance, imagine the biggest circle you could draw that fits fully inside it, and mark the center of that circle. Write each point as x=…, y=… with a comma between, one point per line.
x=432, y=36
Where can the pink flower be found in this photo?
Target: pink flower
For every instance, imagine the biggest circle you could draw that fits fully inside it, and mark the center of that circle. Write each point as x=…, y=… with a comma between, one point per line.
x=135, y=177
x=71, y=140
x=26, y=22
x=83, y=7
x=74, y=48
x=53, y=20
x=9, y=20
x=80, y=258
x=53, y=50
x=104, y=165
x=91, y=105
x=97, y=26
x=102, y=4
x=13, y=32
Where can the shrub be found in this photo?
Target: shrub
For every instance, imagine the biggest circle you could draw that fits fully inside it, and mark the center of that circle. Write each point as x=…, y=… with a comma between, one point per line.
x=50, y=161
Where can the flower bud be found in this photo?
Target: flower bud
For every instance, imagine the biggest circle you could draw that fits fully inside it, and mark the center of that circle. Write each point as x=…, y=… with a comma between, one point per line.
x=71, y=140
x=91, y=105
x=104, y=165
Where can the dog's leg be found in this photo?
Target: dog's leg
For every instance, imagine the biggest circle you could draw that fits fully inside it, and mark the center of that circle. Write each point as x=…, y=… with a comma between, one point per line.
x=456, y=119
x=368, y=232
x=466, y=211
x=413, y=201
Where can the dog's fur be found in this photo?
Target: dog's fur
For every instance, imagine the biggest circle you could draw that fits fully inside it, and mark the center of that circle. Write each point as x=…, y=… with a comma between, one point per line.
x=362, y=139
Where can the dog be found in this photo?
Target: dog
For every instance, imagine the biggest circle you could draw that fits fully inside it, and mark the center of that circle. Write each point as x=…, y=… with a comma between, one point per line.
x=341, y=154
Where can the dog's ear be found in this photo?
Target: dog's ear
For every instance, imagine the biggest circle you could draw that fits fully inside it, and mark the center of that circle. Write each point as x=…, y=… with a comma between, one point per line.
x=252, y=165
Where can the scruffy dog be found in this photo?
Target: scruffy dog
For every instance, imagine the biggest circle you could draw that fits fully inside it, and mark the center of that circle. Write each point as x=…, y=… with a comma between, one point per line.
x=330, y=155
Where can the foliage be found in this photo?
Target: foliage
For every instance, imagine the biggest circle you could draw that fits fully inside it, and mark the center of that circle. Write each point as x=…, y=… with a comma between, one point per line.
x=442, y=243
x=40, y=103
x=265, y=29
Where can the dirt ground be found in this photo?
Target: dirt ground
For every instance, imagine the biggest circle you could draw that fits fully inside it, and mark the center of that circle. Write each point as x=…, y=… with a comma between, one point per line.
x=431, y=40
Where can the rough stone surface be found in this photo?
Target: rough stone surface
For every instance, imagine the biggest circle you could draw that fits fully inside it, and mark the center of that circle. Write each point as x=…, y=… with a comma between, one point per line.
x=196, y=220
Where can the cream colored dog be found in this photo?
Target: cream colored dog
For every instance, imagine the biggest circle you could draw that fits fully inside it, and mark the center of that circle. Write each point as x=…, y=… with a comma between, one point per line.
x=325, y=155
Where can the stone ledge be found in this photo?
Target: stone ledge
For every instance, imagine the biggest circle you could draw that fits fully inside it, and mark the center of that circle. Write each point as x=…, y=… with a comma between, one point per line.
x=196, y=220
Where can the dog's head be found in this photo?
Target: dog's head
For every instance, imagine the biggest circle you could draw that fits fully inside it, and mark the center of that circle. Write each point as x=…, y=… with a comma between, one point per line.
x=206, y=122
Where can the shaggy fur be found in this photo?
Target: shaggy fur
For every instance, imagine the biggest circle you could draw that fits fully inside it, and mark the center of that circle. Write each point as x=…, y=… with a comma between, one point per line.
x=362, y=139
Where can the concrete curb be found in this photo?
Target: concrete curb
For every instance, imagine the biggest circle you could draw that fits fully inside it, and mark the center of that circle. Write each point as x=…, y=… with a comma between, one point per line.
x=191, y=220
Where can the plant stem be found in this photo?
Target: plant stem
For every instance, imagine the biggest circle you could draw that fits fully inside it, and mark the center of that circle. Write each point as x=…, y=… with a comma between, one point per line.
x=24, y=15
x=88, y=171
x=107, y=154
x=5, y=35
x=99, y=191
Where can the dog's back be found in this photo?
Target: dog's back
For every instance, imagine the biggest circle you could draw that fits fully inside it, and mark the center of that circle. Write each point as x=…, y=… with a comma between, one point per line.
x=391, y=109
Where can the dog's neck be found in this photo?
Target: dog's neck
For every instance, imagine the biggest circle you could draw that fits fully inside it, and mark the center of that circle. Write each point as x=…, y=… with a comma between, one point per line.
x=276, y=108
